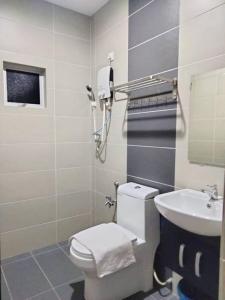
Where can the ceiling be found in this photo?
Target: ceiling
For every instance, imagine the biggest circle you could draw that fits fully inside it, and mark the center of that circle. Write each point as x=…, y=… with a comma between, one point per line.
x=86, y=7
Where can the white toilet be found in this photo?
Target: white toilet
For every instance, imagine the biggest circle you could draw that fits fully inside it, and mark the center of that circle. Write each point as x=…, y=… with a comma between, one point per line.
x=137, y=215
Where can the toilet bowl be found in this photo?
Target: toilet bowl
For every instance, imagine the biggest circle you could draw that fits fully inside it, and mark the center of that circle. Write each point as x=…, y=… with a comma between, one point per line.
x=138, y=218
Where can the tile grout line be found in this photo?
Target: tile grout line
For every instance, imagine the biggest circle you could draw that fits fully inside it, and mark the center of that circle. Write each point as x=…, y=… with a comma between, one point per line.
x=151, y=111
x=46, y=223
x=140, y=9
x=46, y=277
x=55, y=132
x=153, y=38
x=6, y=282
x=57, y=286
x=154, y=147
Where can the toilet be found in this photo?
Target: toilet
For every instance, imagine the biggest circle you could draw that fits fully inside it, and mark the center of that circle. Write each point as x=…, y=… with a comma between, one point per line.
x=138, y=218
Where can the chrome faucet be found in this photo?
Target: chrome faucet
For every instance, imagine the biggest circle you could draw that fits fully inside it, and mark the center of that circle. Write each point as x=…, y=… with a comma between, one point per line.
x=212, y=192
x=109, y=201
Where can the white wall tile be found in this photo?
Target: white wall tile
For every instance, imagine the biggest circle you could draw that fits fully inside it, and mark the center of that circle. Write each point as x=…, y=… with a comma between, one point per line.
x=202, y=37
x=71, y=23
x=70, y=129
x=72, y=50
x=40, y=34
x=27, y=213
x=15, y=128
x=27, y=185
x=70, y=103
x=110, y=15
x=74, y=180
x=26, y=157
x=30, y=12
x=35, y=41
x=73, y=77
x=21, y=241
x=192, y=8
x=70, y=226
x=73, y=155
x=75, y=204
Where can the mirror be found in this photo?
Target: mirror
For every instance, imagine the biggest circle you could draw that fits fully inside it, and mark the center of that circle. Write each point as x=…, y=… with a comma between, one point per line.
x=207, y=119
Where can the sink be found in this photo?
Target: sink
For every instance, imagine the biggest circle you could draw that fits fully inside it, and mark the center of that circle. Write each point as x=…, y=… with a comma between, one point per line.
x=188, y=209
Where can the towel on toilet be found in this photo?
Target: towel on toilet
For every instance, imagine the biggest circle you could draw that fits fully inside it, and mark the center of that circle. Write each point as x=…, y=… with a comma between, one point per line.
x=111, y=248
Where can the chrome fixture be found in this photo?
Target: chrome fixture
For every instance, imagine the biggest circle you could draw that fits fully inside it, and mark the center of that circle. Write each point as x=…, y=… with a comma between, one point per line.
x=109, y=201
x=212, y=192
x=146, y=82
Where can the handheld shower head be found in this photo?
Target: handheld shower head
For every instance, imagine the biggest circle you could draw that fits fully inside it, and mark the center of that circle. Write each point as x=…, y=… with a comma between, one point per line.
x=90, y=93
x=89, y=88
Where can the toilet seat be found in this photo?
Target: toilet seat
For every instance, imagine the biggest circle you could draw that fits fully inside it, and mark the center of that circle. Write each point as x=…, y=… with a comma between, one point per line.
x=83, y=252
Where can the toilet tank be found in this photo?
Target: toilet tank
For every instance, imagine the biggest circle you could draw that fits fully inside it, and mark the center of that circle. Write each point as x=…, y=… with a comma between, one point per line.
x=136, y=210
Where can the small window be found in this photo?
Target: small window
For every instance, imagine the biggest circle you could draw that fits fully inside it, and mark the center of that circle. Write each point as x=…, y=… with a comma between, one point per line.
x=23, y=85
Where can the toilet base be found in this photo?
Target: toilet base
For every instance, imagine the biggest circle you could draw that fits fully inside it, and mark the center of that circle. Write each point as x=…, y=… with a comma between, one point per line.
x=122, y=284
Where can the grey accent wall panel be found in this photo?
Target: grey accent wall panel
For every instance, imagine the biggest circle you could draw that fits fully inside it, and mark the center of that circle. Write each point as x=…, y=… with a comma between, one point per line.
x=153, y=129
x=153, y=41
x=155, y=18
x=156, y=164
x=134, y=5
x=153, y=57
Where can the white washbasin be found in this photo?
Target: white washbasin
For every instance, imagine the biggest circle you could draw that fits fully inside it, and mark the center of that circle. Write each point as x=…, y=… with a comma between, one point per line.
x=188, y=209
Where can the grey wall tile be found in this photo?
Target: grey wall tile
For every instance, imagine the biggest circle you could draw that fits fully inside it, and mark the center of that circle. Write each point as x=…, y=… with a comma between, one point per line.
x=25, y=279
x=154, y=19
x=161, y=54
x=156, y=164
x=152, y=129
x=134, y=5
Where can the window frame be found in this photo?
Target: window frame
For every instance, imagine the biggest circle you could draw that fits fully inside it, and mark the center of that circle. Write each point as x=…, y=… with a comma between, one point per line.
x=24, y=68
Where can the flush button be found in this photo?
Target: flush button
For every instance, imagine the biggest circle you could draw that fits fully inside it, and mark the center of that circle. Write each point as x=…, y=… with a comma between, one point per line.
x=137, y=187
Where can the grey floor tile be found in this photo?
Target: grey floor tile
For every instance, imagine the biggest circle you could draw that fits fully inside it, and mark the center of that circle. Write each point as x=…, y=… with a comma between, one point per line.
x=4, y=290
x=49, y=295
x=15, y=258
x=45, y=249
x=74, y=291
x=25, y=279
x=58, y=267
x=164, y=293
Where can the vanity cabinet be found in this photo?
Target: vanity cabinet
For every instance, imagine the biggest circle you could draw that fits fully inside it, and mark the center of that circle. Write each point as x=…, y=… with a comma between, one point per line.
x=194, y=257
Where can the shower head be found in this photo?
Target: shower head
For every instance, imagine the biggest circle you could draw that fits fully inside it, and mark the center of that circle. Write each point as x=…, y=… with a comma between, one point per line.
x=90, y=93
x=89, y=88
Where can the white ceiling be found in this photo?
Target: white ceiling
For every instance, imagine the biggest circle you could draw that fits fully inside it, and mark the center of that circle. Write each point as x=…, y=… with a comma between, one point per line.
x=86, y=7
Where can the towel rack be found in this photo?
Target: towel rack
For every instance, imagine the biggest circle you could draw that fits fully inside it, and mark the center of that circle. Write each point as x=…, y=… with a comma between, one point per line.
x=146, y=82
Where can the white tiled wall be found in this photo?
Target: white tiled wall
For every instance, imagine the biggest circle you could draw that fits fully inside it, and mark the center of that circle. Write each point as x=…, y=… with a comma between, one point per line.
x=110, y=34
x=45, y=154
x=201, y=49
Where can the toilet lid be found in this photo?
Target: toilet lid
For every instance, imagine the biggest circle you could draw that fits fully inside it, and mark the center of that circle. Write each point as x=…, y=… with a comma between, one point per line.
x=82, y=251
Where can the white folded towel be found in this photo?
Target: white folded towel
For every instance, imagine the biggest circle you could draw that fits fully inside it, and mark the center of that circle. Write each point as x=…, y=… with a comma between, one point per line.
x=111, y=248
